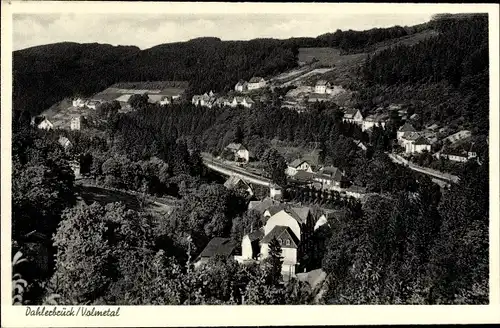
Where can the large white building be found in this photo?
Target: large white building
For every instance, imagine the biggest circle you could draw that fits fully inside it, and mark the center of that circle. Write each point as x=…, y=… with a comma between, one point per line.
x=298, y=165
x=256, y=83
x=322, y=87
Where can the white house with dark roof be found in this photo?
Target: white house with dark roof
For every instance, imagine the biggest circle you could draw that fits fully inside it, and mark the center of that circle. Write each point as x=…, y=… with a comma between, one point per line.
x=330, y=176
x=241, y=101
x=416, y=144
x=374, y=120
x=41, y=122
x=241, y=86
x=236, y=183
x=240, y=152
x=322, y=86
x=353, y=115
x=64, y=142
x=407, y=127
x=256, y=83
x=298, y=165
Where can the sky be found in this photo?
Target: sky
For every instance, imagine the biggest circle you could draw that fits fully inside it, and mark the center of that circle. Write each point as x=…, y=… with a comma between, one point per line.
x=146, y=30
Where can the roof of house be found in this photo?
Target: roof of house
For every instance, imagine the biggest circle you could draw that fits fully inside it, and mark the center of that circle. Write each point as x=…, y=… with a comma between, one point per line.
x=219, y=246
x=281, y=232
x=421, y=141
x=332, y=172
x=351, y=112
x=303, y=176
x=241, y=83
x=322, y=83
x=256, y=235
x=233, y=182
x=376, y=118
x=410, y=136
x=235, y=146
x=262, y=205
x=296, y=162
x=407, y=127
x=256, y=79
x=300, y=214
x=63, y=141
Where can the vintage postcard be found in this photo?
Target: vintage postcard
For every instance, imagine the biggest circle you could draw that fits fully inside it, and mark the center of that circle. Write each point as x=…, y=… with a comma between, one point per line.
x=249, y=164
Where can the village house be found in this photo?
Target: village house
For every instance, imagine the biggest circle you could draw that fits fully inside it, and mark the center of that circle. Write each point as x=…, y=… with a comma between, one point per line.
x=41, y=122
x=330, y=176
x=217, y=246
x=205, y=100
x=240, y=152
x=291, y=226
x=92, y=104
x=407, y=127
x=78, y=102
x=374, y=120
x=236, y=183
x=353, y=115
x=256, y=83
x=413, y=142
x=460, y=135
x=321, y=87
x=241, y=86
x=64, y=142
x=246, y=102
x=298, y=165
x=461, y=153
x=76, y=123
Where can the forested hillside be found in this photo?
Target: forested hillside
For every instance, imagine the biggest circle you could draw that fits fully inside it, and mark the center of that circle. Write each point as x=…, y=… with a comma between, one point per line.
x=444, y=79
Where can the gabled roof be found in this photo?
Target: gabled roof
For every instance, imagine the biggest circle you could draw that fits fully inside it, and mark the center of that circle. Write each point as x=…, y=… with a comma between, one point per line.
x=284, y=233
x=322, y=83
x=421, y=141
x=256, y=79
x=261, y=206
x=410, y=136
x=350, y=112
x=63, y=141
x=296, y=162
x=241, y=83
x=332, y=172
x=219, y=246
x=303, y=176
x=235, y=146
x=234, y=182
x=407, y=127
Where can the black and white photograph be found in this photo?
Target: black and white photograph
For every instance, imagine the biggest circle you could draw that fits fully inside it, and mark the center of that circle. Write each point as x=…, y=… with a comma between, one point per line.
x=168, y=157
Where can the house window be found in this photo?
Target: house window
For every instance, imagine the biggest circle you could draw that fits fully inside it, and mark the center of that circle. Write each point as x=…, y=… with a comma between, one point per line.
x=287, y=242
x=281, y=241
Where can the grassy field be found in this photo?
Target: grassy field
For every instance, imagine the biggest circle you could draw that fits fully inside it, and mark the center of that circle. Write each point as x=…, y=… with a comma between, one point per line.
x=91, y=194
